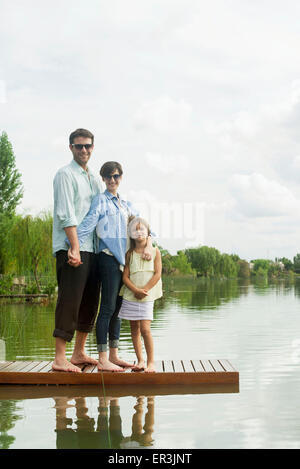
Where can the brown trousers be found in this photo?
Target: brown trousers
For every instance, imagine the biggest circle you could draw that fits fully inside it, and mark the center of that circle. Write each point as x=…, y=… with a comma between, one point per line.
x=78, y=295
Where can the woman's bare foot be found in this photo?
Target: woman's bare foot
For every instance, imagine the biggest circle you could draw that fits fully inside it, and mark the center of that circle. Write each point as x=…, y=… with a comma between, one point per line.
x=119, y=362
x=140, y=366
x=150, y=368
x=79, y=358
x=106, y=365
x=64, y=365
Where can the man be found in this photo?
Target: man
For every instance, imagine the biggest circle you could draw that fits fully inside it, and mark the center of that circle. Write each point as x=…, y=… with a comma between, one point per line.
x=78, y=283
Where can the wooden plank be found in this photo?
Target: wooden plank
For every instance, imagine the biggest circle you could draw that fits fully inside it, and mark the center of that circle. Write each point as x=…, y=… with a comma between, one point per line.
x=5, y=364
x=17, y=366
x=89, y=368
x=40, y=366
x=207, y=366
x=158, y=366
x=168, y=366
x=198, y=366
x=47, y=368
x=188, y=367
x=217, y=366
x=178, y=368
x=227, y=365
x=177, y=372
x=29, y=367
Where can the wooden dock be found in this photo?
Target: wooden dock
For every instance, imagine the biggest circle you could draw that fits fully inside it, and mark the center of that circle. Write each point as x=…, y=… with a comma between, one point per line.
x=168, y=372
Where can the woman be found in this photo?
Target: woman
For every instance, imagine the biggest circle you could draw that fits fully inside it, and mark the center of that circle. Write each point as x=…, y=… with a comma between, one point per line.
x=109, y=214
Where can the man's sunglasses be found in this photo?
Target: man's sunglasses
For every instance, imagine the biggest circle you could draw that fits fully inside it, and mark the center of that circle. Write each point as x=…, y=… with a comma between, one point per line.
x=115, y=176
x=79, y=146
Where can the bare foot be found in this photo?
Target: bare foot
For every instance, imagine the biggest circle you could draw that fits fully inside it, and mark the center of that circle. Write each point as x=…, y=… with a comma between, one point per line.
x=82, y=358
x=150, y=368
x=106, y=365
x=140, y=366
x=64, y=365
x=119, y=362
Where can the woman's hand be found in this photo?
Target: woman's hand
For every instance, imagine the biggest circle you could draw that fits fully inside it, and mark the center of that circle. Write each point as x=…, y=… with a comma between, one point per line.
x=147, y=253
x=74, y=258
x=141, y=293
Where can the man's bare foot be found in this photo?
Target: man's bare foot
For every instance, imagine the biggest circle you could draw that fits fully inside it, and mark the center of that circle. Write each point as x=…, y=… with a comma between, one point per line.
x=106, y=365
x=140, y=366
x=81, y=358
x=150, y=368
x=64, y=365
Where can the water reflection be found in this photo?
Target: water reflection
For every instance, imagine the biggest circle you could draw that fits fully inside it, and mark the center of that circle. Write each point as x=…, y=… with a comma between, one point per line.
x=83, y=432
x=8, y=418
x=91, y=417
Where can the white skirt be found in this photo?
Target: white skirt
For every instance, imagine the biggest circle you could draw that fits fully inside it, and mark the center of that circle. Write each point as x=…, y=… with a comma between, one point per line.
x=136, y=310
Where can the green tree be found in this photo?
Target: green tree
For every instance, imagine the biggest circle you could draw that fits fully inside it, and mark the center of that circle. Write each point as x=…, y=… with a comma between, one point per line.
x=205, y=260
x=31, y=246
x=11, y=189
x=243, y=269
x=11, y=193
x=181, y=264
x=288, y=265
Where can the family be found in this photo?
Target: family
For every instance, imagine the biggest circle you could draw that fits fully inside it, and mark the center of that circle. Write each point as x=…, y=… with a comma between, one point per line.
x=101, y=244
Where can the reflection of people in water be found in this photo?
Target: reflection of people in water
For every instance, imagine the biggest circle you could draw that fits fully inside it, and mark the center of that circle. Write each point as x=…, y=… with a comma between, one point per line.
x=141, y=435
x=108, y=432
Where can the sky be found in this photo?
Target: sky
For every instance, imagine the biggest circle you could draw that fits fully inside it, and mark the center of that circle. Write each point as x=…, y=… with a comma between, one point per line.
x=199, y=101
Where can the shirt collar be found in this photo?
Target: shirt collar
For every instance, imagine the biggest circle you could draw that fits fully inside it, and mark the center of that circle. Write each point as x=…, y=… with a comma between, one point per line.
x=111, y=196
x=79, y=168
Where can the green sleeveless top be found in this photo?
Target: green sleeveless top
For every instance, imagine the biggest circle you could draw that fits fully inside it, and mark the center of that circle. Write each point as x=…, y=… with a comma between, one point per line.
x=140, y=272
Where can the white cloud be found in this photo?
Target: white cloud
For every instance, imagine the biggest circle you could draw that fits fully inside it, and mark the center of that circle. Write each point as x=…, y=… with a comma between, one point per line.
x=167, y=164
x=257, y=196
x=163, y=114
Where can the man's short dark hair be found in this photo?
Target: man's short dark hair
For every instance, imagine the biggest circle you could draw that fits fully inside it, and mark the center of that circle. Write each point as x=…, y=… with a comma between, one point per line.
x=81, y=133
x=109, y=167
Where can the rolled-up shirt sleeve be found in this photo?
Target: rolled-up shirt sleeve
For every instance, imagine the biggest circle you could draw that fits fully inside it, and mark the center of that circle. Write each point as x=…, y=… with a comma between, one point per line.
x=64, y=197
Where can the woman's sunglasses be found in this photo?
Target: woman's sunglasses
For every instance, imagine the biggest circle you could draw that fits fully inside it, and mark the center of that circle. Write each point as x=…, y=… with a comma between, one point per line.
x=115, y=176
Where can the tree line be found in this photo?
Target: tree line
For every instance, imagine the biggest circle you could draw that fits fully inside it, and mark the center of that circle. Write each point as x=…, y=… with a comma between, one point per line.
x=26, y=243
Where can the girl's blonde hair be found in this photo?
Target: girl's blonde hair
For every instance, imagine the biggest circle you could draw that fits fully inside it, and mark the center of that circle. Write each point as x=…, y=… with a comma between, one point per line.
x=133, y=222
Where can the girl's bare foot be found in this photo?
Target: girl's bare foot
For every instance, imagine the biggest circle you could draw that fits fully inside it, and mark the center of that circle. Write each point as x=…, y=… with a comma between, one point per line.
x=64, y=365
x=140, y=366
x=106, y=365
x=79, y=358
x=150, y=368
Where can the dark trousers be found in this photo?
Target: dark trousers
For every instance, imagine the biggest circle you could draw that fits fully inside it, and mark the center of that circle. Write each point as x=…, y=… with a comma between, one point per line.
x=78, y=295
x=108, y=322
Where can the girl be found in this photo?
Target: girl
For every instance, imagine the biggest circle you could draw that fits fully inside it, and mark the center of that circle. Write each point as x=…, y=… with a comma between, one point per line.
x=142, y=285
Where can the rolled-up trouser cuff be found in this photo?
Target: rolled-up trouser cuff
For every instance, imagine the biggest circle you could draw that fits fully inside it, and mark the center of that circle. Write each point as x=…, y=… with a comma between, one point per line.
x=114, y=343
x=102, y=347
x=63, y=335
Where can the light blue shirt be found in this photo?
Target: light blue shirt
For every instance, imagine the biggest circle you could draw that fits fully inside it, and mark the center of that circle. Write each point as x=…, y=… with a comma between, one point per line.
x=111, y=222
x=74, y=189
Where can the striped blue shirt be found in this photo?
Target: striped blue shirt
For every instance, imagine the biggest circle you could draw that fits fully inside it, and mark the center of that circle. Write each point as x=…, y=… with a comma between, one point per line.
x=110, y=220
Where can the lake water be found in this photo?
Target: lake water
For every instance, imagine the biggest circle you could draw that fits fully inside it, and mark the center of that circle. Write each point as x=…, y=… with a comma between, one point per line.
x=256, y=327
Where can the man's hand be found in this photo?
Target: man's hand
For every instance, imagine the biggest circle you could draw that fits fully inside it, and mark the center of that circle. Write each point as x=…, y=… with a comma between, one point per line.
x=141, y=293
x=74, y=257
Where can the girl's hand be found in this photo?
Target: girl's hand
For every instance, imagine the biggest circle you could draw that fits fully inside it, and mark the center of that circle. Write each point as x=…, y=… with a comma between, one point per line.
x=141, y=293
